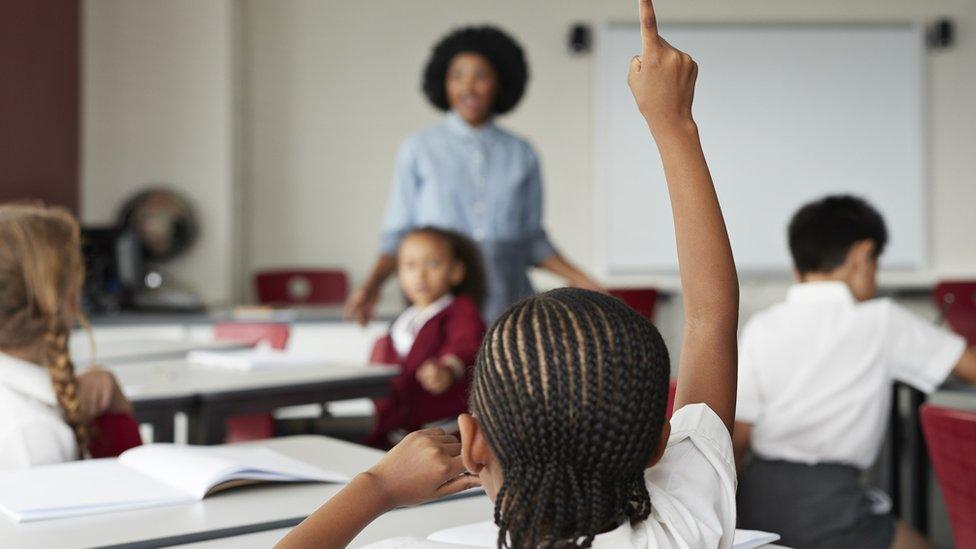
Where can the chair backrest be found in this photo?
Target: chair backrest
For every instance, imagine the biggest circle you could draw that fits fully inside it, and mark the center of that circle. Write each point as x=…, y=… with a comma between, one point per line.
x=252, y=333
x=951, y=438
x=642, y=300
x=956, y=299
x=113, y=434
x=302, y=287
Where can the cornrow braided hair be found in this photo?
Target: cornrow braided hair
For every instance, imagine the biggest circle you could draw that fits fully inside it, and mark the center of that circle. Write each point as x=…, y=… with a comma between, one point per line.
x=41, y=275
x=570, y=387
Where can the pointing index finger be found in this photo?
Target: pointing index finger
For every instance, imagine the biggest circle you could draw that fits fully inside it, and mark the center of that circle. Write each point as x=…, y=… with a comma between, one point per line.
x=648, y=26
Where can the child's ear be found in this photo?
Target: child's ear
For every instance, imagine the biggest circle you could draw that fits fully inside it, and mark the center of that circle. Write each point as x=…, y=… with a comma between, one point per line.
x=475, y=453
x=662, y=444
x=861, y=253
x=457, y=273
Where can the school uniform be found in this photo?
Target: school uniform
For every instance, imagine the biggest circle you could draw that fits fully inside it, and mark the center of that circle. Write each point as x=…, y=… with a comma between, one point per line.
x=815, y=377
x=449, y=327
x=692, y=490
x=32, y=428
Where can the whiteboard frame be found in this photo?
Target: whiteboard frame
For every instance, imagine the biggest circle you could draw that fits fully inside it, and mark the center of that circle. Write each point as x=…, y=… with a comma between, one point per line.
x=600, y=188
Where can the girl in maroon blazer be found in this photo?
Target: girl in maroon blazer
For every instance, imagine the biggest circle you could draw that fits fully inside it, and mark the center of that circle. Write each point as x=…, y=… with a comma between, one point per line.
x=436, y=339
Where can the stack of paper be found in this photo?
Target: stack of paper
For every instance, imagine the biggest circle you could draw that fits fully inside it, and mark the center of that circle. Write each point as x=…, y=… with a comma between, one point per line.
x=259, y=358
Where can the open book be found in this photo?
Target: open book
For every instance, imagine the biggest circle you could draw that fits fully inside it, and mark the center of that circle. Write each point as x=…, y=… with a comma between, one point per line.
x=145, y=476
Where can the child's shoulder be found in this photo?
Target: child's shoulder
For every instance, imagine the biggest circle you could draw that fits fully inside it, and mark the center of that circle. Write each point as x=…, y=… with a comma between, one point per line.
x=463, y=305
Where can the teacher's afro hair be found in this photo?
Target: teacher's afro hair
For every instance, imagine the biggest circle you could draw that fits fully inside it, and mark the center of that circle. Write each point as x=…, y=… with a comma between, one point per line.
x=500, y=49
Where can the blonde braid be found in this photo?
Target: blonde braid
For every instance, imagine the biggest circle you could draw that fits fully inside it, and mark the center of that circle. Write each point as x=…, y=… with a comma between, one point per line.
x=62, y=372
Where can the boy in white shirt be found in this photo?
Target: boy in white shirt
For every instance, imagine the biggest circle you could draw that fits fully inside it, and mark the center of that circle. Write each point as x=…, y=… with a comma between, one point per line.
x=815, y=376
x=567, y=432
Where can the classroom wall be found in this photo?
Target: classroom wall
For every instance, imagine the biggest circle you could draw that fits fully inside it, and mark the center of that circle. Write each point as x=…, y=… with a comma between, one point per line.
x=158, y=108
x=39, y=101
x=305, y=102
x=333, y=87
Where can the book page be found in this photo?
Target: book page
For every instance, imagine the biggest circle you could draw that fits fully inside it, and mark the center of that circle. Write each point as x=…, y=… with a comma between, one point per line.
x=195, y=470
x=79, y=488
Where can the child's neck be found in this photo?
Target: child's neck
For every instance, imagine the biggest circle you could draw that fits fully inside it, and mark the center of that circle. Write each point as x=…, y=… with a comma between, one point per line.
x=30, y=353
x=421, y=306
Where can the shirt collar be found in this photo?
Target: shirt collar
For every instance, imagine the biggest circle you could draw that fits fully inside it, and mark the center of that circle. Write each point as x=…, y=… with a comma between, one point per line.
x=27, y=378
x=827, y=290
x=459, y=126
x=419, y=317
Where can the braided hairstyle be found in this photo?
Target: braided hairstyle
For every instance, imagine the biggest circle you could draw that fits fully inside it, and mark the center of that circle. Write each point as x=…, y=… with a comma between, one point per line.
x=570, y=387
x=463, y=249
x=41, y=276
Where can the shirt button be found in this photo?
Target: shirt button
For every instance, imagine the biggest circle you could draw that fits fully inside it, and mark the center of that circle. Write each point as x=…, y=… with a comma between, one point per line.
x=478, y=157
x=479, y=207
x=479, y=234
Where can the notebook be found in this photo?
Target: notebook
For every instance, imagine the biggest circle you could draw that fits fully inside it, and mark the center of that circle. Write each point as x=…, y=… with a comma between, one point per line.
x=484, y=534
x=145, y=476
x=245, y=360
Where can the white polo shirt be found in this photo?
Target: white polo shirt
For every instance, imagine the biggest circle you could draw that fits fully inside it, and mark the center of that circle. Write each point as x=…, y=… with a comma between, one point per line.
x=815, y=372
x=692, y=493
x=32, y=429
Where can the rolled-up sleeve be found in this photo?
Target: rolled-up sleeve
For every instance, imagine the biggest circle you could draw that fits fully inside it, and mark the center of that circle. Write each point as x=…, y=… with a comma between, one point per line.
x=399, y=217
x=540, y=248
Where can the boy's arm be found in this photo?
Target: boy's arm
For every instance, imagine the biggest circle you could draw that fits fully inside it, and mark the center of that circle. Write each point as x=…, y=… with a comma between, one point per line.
x=741, y=440
x=424, y=466
x=663, y=82
x=965, y=369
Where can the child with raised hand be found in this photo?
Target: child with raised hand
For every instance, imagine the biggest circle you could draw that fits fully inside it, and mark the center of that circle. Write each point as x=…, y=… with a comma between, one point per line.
x=46, y=410
x=436, y=339
x=568, y=434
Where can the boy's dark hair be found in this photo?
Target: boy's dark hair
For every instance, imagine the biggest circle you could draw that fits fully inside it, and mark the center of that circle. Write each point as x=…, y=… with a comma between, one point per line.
x=570, y=387
x=822, y=232
x=474, y=284
x=503, y=52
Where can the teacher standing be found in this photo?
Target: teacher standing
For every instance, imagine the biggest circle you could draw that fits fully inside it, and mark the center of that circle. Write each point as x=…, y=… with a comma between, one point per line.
x=467, y=174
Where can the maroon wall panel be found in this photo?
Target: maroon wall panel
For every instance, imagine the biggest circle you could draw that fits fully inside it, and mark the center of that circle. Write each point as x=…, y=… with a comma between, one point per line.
x=39, y=101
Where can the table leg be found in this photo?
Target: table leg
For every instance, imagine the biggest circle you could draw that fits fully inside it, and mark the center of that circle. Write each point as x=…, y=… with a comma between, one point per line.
x=897, y=429
x=919, y=464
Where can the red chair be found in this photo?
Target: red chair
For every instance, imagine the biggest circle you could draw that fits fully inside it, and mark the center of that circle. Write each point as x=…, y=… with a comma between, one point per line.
x=252, y=426
x=957, y=301
x=112, y=434
x=252, y=333
x=302, y=287
x=642, y=300
x=951, y=438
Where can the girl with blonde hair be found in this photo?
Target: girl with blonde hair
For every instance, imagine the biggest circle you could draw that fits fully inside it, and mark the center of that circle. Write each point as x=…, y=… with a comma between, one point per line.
x=46, y=409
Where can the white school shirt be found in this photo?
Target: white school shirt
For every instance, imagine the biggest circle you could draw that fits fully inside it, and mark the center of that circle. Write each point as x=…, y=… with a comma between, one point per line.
x=692, y=491
x=406, y=327
x=32, y=428
x=815, y=372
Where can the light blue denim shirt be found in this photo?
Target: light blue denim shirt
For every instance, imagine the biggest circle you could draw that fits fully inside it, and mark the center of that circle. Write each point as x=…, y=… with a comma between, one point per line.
x=483, y=182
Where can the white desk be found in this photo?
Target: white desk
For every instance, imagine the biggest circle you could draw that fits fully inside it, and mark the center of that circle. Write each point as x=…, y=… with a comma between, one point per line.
x=238, y=509
x=416, y=522
x=208, y=395
x=127, y=351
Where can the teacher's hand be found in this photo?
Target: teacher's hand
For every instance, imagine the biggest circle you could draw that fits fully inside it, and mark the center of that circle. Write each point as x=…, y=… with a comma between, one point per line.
x=362, y=303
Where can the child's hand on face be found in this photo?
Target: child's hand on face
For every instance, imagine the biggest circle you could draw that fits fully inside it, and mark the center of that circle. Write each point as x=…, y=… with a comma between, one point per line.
x=434, y=378
x=424, y=466
x=662, y=79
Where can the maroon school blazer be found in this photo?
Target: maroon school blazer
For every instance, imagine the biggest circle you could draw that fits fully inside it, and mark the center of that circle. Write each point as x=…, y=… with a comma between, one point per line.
x=457, y=330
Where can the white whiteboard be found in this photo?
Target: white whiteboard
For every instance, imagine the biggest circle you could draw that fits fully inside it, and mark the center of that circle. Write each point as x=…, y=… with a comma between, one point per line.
x=787, y=114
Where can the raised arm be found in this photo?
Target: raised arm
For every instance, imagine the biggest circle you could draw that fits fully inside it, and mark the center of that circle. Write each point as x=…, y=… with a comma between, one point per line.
x=662, y=80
